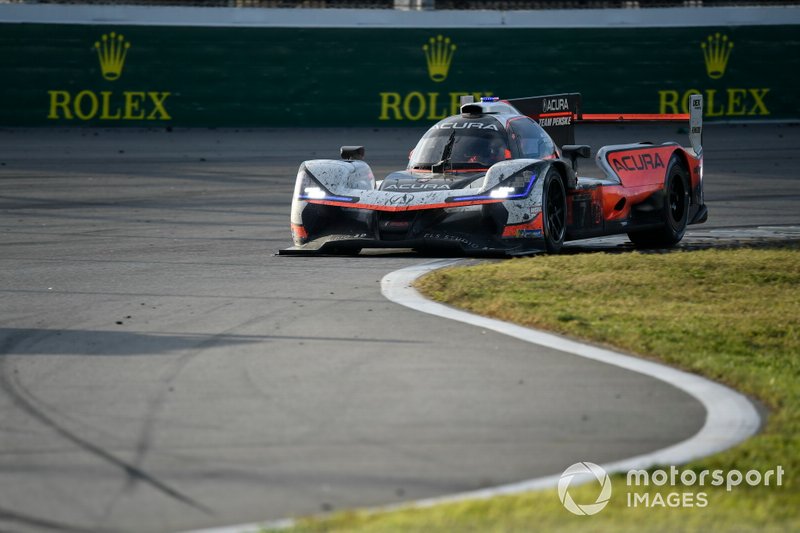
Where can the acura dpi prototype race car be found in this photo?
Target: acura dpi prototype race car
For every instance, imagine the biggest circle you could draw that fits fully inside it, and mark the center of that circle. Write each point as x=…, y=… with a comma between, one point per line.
x=500, y=178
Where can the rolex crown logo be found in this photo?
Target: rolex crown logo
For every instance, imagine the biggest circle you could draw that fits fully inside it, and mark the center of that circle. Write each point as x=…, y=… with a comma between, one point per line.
x=112, y=49
x=716, y=51
x=439, y=53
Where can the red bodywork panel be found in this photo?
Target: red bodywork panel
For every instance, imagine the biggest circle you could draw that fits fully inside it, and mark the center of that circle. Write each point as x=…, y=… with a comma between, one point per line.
x=640, y=167
x=642, y=173
x=647, y=166
x=526, y=229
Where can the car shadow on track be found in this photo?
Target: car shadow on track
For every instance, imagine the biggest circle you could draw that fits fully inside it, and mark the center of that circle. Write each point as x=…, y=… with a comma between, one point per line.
x=110, y=343
x=718, y=238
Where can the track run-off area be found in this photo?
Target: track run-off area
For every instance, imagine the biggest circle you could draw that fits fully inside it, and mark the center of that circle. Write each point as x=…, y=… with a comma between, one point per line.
x=161, y=369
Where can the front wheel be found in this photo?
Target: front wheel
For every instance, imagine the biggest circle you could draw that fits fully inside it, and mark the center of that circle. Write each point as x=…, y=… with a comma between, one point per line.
x=675, y=211
x=554, y=212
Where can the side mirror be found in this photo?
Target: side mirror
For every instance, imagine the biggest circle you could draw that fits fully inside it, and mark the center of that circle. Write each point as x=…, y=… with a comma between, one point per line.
x=574, y=151
x=351, y=153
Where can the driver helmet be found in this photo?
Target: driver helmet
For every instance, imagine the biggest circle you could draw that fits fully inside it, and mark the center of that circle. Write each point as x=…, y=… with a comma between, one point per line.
x=489, y=152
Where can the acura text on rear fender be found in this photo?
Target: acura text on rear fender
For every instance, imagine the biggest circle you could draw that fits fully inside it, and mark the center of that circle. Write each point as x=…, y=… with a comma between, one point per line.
x=636, y=162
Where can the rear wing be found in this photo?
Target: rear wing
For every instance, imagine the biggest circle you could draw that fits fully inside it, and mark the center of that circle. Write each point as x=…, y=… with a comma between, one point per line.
x=555, y=113
x=558, y=114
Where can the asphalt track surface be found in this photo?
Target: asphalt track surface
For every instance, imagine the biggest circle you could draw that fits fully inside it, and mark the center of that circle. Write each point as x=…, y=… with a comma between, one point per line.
x=161, y=369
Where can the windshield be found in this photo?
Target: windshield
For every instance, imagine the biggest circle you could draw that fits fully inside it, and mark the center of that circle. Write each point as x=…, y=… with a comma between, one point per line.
x=471, y=148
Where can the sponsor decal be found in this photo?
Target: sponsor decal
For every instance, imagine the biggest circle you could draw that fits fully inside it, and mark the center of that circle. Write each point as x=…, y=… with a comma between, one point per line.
x=525, y=230
x=112, y=55
x=716, y=52
x=731, y=102
x=108, y=105
x=417, y=105
x=400, y=199
x=449, y=237
x=636, y=162
x=555, y=121
x=426, y=104
x=720, y=102
x=416, y=187
x=465, y=126
x=552, y=105
x=439, y=53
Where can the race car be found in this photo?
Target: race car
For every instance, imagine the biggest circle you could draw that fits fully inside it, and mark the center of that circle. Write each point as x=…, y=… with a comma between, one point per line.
x=500, y=179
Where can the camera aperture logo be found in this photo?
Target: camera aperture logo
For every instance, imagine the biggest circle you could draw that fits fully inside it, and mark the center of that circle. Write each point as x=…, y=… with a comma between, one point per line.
x=643, y=486
x=582, y=470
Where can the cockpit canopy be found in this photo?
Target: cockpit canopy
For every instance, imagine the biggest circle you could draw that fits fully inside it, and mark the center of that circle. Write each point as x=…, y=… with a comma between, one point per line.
x=477, y=143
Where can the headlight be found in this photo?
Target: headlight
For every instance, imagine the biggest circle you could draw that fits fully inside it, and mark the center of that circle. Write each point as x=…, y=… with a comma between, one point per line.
x=305, y=182
x=308, y=188
x=516, y=186
x=315, y=193
x=502, y=192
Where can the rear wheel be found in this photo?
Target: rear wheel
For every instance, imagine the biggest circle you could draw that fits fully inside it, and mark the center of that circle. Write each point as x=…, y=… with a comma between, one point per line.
x=554, y=212
x=675, y=211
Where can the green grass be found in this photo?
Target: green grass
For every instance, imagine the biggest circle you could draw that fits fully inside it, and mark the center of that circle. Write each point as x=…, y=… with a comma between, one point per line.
x=731, y=315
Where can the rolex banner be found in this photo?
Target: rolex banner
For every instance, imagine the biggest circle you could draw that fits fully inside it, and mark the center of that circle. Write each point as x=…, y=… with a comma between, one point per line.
x=72, y=75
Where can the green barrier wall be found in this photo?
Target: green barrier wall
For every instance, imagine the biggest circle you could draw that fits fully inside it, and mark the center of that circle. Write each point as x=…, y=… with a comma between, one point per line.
x=190, y=76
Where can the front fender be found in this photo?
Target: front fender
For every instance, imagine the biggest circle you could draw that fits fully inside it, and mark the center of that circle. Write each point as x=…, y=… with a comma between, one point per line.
x=503, y=170
x=339, y=176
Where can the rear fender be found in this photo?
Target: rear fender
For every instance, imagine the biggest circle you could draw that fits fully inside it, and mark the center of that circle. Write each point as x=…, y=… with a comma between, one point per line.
x=636, y=165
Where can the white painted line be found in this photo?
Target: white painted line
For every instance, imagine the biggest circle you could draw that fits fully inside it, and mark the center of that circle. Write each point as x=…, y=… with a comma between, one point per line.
x=675, y=17
x=730, y=416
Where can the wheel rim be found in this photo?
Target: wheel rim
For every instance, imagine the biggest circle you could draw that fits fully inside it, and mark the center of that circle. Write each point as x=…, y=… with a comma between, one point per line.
x=677, y=200
x=555, y=210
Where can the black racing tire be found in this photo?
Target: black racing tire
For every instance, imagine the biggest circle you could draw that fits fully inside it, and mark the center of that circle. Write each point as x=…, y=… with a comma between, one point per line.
x=675, y=211
x=554, y=211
